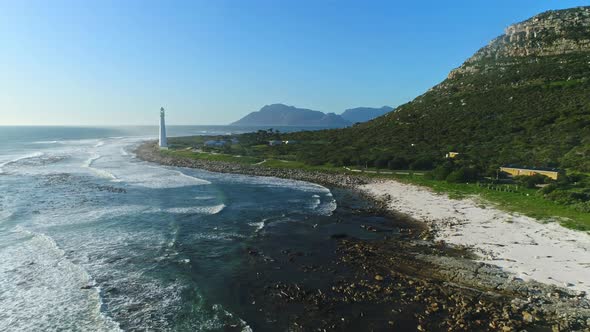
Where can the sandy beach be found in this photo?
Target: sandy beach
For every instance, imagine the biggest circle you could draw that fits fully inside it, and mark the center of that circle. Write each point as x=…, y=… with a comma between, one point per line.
x=523, y=246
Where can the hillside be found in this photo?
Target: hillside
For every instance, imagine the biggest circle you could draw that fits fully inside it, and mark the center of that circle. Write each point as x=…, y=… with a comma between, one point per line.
x=523, y=99
x=283, y=115
x=363, y=114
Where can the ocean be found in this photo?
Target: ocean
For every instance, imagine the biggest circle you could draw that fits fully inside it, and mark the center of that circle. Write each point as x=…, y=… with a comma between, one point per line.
x=93, y=239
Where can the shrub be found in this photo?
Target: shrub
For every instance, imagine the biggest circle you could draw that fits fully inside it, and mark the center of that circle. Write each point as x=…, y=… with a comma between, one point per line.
x=442, y=171
x=548, y=189
x=530, y=181
x=381, y=163
x=568, y=197
x=397, y=163
x=464, y=174
x=422, y=164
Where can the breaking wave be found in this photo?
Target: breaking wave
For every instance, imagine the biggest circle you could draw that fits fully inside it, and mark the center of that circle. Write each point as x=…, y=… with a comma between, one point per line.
x=100, y=172
x=75, y=303
x=210, y=210
x=16, y=160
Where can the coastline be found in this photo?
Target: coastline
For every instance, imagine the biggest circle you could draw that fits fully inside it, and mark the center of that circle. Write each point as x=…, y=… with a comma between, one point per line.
x=528, y=302
x=148, y=151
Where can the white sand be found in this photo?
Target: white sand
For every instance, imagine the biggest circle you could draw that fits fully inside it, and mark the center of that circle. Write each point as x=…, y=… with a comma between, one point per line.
x=548, y=253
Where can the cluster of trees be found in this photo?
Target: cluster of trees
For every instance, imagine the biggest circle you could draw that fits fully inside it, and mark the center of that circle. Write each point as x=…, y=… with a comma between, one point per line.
x=260, y=137
x=455, y=173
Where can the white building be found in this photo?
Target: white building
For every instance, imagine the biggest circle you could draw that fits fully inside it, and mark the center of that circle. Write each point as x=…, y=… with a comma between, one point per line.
x=215, y=143
x=163, y=141
x=275, y=142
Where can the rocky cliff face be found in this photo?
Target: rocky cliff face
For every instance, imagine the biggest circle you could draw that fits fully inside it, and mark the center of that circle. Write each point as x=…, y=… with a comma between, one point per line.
x=547, y=34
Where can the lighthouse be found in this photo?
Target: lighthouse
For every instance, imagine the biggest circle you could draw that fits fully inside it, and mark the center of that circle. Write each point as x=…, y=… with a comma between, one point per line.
x=163, y=142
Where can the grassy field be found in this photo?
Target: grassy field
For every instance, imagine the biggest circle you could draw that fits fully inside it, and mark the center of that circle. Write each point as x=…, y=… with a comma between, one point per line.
x=212, y=156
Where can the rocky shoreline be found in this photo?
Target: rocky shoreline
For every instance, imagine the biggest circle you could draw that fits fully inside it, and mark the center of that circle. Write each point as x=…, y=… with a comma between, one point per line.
x=416, y=283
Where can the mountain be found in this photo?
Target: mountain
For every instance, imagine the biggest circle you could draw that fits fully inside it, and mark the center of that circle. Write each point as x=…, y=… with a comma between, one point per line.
x=522, y=99
x=363, y=114
x=283, y=115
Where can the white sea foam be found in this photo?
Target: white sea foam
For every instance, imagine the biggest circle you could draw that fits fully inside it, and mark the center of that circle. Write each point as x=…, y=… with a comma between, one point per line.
x=16, y=160
x=221, y=236
x=198, y=209
x=205, y=198
x=327, y=208
x=158, y=177
x=46, y=142
x=91, y=160
x=42, y=289
x=193, y=178
x=259, y=225
x=100, y=172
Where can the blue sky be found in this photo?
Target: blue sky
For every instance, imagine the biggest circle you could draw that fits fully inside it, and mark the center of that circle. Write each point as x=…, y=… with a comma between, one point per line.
x=211, y=62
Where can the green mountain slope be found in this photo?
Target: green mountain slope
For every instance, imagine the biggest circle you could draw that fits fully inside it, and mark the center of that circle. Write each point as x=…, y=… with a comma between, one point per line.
x=524, y=98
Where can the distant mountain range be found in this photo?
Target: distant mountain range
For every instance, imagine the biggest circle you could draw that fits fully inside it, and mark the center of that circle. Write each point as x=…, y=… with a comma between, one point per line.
x=364, y=114
x=283, y=115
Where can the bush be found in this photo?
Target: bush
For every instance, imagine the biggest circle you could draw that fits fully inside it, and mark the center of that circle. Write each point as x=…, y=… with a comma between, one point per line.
x=464, y=174
x=442, y=171
x=548, y=189
x=457, y=176
x=568, y=197
x=422, y=164
x=582, y=207
x=397, y=163
x=530, y=181
x=381, y=163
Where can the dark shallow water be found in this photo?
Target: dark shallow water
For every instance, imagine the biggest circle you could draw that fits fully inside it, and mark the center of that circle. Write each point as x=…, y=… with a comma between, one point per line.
x=93, y=239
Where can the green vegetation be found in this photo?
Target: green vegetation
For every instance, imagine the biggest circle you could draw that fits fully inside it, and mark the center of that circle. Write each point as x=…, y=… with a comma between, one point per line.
x=211, y=156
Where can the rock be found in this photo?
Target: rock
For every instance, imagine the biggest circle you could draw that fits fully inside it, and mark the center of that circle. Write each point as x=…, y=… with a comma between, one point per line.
x=527, y=317
x=378, y=277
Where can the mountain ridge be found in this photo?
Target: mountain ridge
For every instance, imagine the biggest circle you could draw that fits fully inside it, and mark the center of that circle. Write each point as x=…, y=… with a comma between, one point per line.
x=363, y=114
x=284, y=115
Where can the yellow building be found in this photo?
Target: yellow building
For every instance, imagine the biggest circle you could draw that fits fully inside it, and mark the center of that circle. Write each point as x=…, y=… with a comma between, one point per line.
x=529, y=171
x=452, y=154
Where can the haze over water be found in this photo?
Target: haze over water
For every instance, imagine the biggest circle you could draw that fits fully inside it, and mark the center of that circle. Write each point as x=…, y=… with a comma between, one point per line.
x=92, y=238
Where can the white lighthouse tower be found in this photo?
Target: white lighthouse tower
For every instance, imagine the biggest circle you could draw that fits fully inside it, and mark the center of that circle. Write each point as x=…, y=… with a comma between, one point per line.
x=163, y=141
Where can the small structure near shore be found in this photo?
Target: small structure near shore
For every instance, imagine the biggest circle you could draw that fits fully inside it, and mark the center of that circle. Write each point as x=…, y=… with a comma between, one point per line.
x=216, y=143
x=451, y=155
x=514, y=170
x=275, y=142
x=163, y=140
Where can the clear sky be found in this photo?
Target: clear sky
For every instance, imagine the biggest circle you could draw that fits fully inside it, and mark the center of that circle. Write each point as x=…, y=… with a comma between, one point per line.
x=211, y=62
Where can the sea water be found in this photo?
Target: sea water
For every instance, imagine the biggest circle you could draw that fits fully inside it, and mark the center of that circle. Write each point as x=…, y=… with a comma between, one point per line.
x=93, y=239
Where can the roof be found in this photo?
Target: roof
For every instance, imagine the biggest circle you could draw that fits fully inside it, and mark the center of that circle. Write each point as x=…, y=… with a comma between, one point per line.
x=547, y=169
